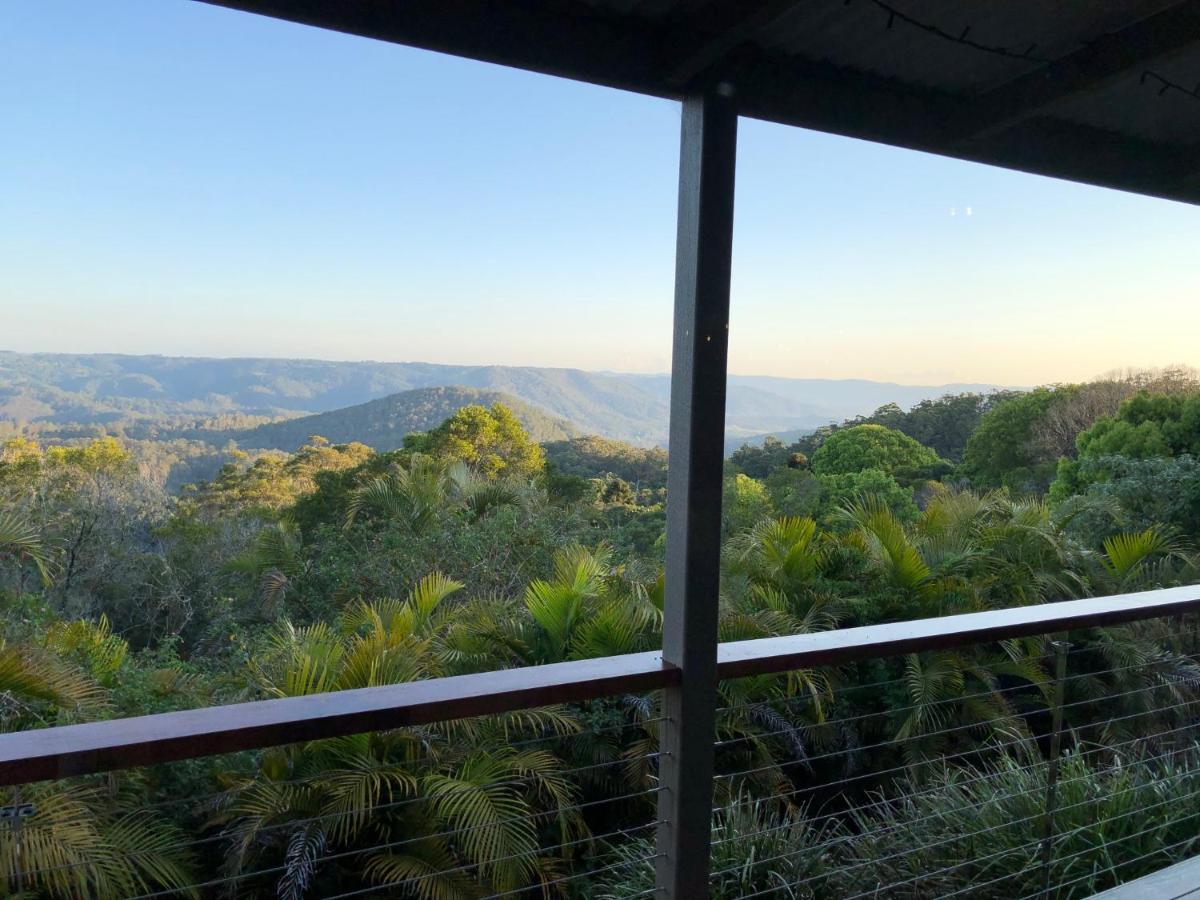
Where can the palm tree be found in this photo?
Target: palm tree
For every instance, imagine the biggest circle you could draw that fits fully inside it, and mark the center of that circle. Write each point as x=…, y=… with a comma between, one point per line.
x=84, y=840
x=587, y=608
x=79, y=838
x=276, y=559
x=422, y=490
x=1144, y=560
x=21, y=541
x=957, y=556
x=31, y=674
x=442, y=811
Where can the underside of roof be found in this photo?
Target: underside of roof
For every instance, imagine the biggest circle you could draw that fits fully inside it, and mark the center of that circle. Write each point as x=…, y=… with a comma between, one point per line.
x=1104, y=93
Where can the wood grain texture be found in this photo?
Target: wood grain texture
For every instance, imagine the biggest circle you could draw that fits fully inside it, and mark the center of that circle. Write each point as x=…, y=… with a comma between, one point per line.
x=781, y=654
x=144, y=740
x=188, y=734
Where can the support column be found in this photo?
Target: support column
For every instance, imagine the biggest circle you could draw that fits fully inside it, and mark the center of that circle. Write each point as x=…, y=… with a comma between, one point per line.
x=697, y=449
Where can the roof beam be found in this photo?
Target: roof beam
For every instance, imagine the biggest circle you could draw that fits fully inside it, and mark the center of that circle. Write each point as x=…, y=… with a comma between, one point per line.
x=689, y=54
x=571, y=40
x=874, y=109
x=554, y=37
x=1105, y=59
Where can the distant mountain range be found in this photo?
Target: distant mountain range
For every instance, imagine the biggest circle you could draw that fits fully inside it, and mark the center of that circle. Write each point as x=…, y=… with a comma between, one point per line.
x=383, y=423
x=107, y=389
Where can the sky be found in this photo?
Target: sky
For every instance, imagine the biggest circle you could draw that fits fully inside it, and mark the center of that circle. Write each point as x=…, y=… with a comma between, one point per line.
x=182, y=179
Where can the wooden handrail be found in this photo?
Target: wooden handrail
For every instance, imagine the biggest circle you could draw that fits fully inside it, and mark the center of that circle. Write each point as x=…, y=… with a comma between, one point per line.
x=188, y=734
x=825, y=648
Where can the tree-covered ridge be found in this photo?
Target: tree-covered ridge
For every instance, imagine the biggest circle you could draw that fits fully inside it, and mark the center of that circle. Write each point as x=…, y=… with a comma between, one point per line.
x=384, y=423
x=471, y=547
x=160, y=396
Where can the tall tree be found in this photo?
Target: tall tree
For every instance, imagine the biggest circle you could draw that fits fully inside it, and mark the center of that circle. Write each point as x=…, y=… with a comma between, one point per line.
x=871, y=447
x=1001, y=453
x=489, y=440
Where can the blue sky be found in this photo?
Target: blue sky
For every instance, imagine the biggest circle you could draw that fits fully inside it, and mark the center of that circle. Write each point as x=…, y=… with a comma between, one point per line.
x=177, y=178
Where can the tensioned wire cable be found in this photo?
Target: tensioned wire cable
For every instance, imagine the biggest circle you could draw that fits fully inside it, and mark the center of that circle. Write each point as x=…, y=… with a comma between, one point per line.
x=569, y=878
x=985, y=777
x=624, y=832
x=871, y=715
x=566, y=736
x=975, y=885
x=293, y=823
x=374, y=889
x=886, y=802
x=845, y=689
x=324, y=778
x=202, y=801
x=624, y=726
x=958, y=728
x=899, y=826
x=574, y=735
x=1008, y=850
x=1121, y=865
x=852, y=838
x=358, y=851
x=1005, y=877
x=981, y=694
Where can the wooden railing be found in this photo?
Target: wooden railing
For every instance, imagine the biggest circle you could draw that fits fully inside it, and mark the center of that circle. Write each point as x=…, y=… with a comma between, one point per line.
x=188, y=734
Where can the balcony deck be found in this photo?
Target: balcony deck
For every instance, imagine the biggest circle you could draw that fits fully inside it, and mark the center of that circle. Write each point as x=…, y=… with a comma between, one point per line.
x=1172, y=883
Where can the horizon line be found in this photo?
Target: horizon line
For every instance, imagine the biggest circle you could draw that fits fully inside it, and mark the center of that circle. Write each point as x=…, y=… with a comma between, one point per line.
x=418, y=362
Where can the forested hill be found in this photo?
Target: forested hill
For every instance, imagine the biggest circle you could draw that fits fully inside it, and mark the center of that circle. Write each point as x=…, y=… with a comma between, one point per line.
x=383, y=423
x=46, y=388
x=43, y=390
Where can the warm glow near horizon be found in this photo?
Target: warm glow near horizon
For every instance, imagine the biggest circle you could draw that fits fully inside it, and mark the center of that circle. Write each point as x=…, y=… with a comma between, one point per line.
x=185, y=180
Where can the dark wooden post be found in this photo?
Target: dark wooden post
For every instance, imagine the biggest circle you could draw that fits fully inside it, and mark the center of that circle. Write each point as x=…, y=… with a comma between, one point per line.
x=698, y=372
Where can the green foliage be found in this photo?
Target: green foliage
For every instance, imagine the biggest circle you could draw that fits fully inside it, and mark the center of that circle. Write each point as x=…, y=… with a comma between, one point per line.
x=864, y=447
x=273, y=482
x=1147, y=425
x=756, y=850
x=489, y=440
x=839, y=490
x=969, y=832
x=319, y=571
x=744, y=502
x=1001, y=451
x=771, y=455
x=597, y=457
x=21, y=543
x=795, y=491
x=84, y=842
x=614, y=490
x=1136, y=493
x=384, y=423
x=1141, y=460
x=944, y=425
x=32, y=673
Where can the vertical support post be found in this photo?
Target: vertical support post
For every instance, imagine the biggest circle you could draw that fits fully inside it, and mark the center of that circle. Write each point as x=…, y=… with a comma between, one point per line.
x=1061, y=649
x=697, y=437
x=15, y=824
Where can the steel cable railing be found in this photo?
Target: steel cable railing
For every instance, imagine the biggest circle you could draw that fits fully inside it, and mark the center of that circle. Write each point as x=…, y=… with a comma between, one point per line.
x=973, y=821
x=233, y=816
x=850, y=838
x=1049, y=774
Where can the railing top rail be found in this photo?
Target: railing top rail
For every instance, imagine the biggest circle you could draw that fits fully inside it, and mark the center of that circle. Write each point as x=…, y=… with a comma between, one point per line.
x=188, y=734
x=781, y=654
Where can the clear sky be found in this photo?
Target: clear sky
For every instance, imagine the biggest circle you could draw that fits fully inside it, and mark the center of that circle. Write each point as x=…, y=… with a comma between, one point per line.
x=181, y=179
